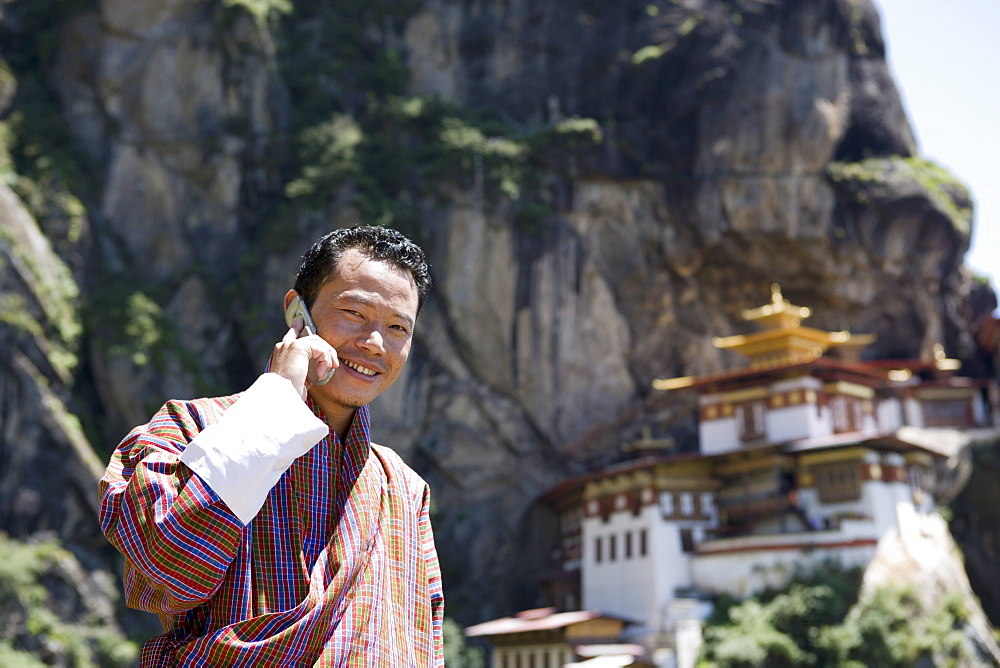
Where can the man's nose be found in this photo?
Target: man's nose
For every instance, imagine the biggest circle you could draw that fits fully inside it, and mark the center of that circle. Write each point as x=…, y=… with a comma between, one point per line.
x=374, y=341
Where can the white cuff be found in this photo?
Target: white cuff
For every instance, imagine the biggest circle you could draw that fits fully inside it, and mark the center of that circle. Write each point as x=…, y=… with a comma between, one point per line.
x=242, y=456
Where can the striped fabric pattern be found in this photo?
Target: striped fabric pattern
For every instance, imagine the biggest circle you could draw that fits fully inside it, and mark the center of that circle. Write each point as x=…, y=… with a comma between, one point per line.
x=338, y=569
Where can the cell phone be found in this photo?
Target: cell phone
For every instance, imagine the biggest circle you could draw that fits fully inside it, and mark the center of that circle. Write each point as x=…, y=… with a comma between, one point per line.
x=297, y=309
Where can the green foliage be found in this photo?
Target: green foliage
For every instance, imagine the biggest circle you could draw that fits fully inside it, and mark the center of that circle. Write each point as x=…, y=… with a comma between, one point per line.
x=56, y=291
x=15, y=658
x=358, y=139
x=752, y=640
x=855, y=18
x=24, y=568
x=43, y=155
x=7, y=139
x=648, y=53
x=879, y=177
x=20, y=567
x=458, y=653
x=331, y=56
x=818, y=621
x=40, y=161
x=143, y=325
x=57, y=326
x=125, y=321
x=406, y=150
x=688, y=26
x=892, y=628
x=328, y=152
x=14, y=312
x=262, y=11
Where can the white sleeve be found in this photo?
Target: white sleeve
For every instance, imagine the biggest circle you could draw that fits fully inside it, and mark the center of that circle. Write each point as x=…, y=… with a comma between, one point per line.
x=242, y=456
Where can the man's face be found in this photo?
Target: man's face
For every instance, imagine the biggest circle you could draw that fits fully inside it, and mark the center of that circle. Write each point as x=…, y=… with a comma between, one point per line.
x=366, y=311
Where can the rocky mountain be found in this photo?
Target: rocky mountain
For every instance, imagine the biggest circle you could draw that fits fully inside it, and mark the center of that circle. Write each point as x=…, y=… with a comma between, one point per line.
x=601, y=188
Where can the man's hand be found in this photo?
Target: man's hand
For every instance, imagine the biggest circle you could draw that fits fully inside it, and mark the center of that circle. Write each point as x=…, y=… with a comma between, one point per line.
x=294, y=357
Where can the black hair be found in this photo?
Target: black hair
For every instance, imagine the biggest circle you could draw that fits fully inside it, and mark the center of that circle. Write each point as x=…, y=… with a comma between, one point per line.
x=319, y=263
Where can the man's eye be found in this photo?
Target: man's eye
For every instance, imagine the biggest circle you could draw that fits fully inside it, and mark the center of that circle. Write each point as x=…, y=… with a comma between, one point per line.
x=399, y=328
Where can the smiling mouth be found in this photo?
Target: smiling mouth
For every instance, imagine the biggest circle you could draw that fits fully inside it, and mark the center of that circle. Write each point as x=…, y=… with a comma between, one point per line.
x=361, y=369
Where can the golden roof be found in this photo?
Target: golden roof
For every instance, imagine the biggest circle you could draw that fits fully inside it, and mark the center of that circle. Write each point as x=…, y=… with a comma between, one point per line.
x=779, y=314
x=784, y=340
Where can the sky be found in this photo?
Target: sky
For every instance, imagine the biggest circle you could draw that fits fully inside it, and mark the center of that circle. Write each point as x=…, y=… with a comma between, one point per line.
x=945, y=59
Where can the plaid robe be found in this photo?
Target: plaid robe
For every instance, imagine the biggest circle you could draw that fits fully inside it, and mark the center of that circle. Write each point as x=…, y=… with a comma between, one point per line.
x=338, y=568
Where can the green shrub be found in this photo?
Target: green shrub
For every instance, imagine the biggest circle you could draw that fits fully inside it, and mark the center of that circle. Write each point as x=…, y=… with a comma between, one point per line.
x=24, y=568
x=458, y=653
x=819, y=621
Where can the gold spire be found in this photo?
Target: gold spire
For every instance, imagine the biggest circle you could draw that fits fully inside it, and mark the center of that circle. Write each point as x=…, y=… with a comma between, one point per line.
x=784, y=340
x=941, y=360
x=779, y=314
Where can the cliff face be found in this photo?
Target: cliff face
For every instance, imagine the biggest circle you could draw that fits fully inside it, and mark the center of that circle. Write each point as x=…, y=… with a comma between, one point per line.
x=601, y=187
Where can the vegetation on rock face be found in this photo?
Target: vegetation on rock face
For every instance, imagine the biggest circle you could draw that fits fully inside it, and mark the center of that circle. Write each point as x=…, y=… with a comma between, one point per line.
x=263, y=11
x=39, y=628
x=819, y=621
x=39, y=161
x=126, y=321
x=357, y=129
x=402, y=150
x=978, y=531
x=883, y=177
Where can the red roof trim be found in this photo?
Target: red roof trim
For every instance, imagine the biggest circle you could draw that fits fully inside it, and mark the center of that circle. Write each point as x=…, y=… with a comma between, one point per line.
x=786, y=547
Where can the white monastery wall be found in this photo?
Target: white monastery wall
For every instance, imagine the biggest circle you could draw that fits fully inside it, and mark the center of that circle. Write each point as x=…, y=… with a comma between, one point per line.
x=890, y=414
x=741, y=573
x=913, y=414
x=632, y=584
x=792, y=422
x=718, y=436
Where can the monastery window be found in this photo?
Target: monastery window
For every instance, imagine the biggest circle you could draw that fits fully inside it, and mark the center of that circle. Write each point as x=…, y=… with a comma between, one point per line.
x=546, y=663
x=687, y=540
x=612, y=545
x=642, y=543
x=598, y=545
x=687, y=503
x=628, y=544
x=666, y=503
x=838, y=482
x=750, y=419
x=917, y=477
x=707, y=506
x=848, y=413
x=946, y=412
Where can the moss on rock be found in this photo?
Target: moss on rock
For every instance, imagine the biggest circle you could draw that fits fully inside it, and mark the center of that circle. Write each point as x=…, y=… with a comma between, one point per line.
x=886, y=178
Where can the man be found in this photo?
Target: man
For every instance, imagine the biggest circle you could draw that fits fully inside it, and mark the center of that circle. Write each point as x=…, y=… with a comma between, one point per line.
x=265, y=528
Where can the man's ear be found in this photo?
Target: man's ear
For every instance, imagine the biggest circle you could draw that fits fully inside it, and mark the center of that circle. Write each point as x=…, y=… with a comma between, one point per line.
x=289, y=296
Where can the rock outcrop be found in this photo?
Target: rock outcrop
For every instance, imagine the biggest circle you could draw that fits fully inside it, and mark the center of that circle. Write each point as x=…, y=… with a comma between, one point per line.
x=601, y=187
